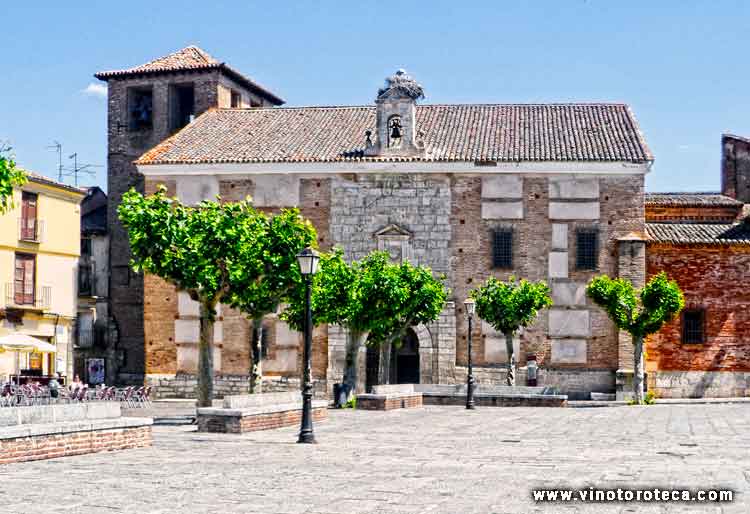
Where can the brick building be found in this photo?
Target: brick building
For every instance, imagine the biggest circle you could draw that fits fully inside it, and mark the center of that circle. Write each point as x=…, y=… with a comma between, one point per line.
x=147, y=104
x=550, y=192
x=702, y=240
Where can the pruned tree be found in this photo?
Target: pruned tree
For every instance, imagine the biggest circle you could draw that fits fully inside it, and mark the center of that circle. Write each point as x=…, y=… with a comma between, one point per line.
x=508, y=307
x=417, y=298
x=205, y=250
x=285, y=235
x=638, y=312
x=370, y=296
x=11, y=176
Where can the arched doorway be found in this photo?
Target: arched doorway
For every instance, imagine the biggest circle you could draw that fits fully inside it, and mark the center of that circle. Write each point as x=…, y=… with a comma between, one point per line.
x=405, y=360
x=404, y=368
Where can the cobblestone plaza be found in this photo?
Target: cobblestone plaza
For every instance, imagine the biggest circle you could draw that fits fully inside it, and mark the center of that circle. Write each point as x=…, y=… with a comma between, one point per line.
x=435, y=459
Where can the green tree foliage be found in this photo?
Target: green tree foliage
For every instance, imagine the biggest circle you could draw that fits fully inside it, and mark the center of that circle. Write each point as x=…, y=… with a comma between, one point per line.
x=285, y=235
x=11, y=177
x=371, y=297
x=205, y=250
x=638, y=312
x=509, y=306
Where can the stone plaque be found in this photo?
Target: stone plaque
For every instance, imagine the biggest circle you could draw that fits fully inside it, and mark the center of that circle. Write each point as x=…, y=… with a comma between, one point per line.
x=569, y=351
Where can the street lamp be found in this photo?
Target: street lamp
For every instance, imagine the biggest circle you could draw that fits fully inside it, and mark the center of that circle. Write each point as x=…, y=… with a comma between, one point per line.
x=469, y=305
x=308, y=266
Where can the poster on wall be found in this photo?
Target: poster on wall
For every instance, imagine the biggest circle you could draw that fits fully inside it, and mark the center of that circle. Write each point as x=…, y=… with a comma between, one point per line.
x=95, y=371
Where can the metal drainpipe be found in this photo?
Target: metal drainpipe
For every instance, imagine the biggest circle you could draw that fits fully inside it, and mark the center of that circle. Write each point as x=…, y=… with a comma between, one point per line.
x=54, y=336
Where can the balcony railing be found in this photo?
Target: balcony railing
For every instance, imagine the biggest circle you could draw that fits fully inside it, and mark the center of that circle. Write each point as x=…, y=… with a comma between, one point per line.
x=86, y=277
x=23, y=298
x=31, y=230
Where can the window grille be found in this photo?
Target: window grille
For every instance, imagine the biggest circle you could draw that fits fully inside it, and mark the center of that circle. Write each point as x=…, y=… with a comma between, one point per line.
x=587, y=249
x=502, y=248
x=693, y=324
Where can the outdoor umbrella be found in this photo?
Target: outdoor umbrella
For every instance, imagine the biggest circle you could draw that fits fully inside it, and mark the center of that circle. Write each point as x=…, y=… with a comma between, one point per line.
x=24, y=343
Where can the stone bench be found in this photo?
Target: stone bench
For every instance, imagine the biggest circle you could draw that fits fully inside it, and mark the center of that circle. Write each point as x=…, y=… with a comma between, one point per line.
x=492, y=395
x=49, y=431
x=252, y=412
x=388, y=397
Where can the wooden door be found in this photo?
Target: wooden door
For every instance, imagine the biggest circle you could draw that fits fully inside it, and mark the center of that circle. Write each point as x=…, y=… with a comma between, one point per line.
x=24, y=279
x=28, y=216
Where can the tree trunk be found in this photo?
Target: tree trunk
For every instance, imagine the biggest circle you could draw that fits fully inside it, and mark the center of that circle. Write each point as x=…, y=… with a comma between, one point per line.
x=256, y=338
x=638, y=369
x=206, y=355
x=384, y=363
x=354, y=341
x=511, y=377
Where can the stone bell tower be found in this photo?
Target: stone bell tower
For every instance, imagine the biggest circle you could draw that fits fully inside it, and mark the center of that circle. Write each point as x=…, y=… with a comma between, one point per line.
x=396, y=118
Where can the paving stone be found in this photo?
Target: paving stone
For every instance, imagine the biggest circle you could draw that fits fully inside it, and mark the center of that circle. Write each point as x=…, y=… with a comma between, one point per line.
x=433, y=459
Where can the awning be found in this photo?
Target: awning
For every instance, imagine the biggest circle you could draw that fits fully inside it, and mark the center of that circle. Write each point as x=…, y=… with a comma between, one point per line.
x=25, y=343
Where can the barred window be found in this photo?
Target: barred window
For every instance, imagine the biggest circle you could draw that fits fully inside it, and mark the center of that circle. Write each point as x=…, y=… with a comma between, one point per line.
x=502, y=248
x=693, y=324
x=587, y=249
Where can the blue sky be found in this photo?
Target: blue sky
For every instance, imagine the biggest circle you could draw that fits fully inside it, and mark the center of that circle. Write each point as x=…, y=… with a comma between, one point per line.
x=681, y=65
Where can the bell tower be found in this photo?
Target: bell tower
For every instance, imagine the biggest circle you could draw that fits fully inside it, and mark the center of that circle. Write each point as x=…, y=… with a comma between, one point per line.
x=147, y=104
x=396, y=105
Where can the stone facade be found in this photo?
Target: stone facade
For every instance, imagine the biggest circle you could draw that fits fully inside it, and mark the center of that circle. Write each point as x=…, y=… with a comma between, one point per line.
x=403, y=191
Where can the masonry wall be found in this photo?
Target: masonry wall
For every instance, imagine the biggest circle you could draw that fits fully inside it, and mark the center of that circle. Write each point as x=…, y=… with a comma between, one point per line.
x=124, y=147
x=696, y=214
x=713, y=278
x=544, y=213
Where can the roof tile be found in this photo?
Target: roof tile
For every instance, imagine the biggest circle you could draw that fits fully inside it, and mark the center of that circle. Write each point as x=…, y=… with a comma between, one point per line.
x=459, y=132
x=699, y=233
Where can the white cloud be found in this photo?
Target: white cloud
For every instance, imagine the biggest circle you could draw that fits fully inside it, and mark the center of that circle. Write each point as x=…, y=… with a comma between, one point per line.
x=94, y=89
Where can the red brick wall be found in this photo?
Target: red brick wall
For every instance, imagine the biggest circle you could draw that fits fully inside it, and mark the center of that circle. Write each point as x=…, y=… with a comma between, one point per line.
x=674, y=213
x=240, y=424
x=715, y=279
x=384, y=403
x=77, y=443
x=159, y=311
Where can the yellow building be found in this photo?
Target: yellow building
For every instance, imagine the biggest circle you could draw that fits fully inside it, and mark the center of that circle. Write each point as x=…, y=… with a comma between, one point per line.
x=39, y=250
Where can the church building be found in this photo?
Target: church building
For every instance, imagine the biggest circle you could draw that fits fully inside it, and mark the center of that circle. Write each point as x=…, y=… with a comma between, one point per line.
x=549, y=192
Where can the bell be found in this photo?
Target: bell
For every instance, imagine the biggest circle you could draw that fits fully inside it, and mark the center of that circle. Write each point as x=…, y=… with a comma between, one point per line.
x=395, y=132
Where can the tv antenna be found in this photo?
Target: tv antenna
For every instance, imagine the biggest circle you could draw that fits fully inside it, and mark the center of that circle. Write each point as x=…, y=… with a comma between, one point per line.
x=58, y=148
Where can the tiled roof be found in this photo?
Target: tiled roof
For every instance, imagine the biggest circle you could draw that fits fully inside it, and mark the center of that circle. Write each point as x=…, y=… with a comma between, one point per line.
x=190, y=58
x=508, y=133
x=41, y=179
x=691, y=200
x=699, y=233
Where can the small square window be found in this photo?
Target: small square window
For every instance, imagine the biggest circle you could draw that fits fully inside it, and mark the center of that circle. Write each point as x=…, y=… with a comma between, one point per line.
x=502, y=248
x=587, y=249
x=693, y=326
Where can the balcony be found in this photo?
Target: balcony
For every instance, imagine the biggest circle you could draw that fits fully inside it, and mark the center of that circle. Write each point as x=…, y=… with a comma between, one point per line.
x=30, y=230
x=21, y=298
x=86, y=278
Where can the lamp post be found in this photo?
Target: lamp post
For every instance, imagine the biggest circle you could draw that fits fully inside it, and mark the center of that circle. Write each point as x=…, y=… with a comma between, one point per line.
x=469, y=305
x=308, y=266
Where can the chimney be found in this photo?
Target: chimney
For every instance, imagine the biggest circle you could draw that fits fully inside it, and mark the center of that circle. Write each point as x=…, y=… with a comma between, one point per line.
x=735, y=167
